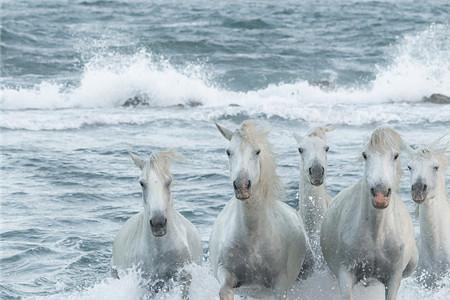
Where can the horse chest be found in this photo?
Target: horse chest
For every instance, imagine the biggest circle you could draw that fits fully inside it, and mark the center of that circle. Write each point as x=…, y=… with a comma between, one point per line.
x=252, y=263
x=375, y=258
x=164, y=261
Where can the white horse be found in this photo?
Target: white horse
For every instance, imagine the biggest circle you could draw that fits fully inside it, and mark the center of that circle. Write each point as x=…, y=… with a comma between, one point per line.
x=159, y=239
x=428, y=167
x=257, y=243
x=368, y=232
x=313, y=197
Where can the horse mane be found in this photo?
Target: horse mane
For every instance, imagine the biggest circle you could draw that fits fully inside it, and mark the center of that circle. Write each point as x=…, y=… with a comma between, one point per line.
x=435, y=149
x=319, y=132
x=385, y=139
x=161, y=161
x=256, y=135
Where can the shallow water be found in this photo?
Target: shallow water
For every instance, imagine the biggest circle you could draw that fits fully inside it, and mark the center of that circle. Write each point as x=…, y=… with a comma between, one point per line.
x=67, y=184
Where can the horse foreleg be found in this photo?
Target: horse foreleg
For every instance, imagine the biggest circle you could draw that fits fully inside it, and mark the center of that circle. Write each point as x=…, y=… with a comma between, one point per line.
x=227, y=283
x=309, y=263
x=114, y=273
x=283, y=295
x=185, y=279
x=412, y=264
x=392, y=286
x=346, y=282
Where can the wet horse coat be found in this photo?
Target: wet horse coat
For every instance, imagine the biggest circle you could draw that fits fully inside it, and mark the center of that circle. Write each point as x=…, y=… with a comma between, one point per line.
x=313, y=197
x=258, y=243
x=368, y=232
x=158, y=240
x=428, y=189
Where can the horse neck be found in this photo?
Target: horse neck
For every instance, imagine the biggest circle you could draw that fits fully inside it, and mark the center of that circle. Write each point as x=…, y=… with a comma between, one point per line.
x=252, y=213
x=312, y=203
x=311, y=196
x=377, y=219
x=433, y=212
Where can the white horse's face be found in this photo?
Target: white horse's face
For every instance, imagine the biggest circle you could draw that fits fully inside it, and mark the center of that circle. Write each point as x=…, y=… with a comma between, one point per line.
x=244, y=161
x=156, y=195
x=424, y=173
x=313, y=151
x=382, y=171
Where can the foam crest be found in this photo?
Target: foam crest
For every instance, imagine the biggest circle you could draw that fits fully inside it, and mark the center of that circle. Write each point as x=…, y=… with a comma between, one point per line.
x=420, y=67
x=129, y=286
x=320, y=286
x=111, y=79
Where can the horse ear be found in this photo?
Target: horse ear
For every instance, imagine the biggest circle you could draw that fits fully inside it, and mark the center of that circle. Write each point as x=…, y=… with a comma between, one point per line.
x=408, y=149
x=138, y=161
x=297, y=138
x=228, y=134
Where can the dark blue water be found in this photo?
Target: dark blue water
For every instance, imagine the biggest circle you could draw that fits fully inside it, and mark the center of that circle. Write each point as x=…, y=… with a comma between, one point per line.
x=68, y=68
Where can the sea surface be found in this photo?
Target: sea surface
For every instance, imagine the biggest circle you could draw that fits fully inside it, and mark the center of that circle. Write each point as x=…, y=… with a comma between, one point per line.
x=72, y=73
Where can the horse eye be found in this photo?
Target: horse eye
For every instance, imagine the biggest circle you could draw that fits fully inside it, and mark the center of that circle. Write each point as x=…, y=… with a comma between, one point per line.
x=327, y=148
x=409, y=168
x=300, y=150
x=364, y=155
x=396, y=156
x=228, y=152
x=258, y=152
x=436, y=168
x=142, y=183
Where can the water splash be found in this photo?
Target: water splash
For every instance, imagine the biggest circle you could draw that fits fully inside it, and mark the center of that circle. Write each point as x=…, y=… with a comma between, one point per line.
x=320, y=286
x=420, y=66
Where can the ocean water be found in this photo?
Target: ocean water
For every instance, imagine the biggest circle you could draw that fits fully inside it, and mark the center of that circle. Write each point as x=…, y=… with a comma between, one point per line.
x=68, y=67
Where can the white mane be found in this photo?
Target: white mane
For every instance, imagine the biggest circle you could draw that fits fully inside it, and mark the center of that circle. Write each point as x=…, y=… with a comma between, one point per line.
x=319, y=132
x=434, y=150
x=385, y=139
x=161, y=161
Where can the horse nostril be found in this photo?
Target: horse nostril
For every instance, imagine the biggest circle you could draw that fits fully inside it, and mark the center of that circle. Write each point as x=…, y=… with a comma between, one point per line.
x=249, y=184
x=323, y=170
x=424, y=187
x=389, y=192
x=310, y=171
x=234, y=185
x=372, y=190
x=158, y=221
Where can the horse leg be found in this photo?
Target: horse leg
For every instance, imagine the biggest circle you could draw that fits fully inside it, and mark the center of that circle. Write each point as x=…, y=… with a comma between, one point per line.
x=392, y=286
x=308, y=264
x=185, y=279
x=227, y=282
x=283, y=295
x=412, y=264
x=346, y=281
x=114, y=273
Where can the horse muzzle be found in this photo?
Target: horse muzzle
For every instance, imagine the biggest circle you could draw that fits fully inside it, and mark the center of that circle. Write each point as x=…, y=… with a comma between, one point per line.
x=158, y=225
x=381, y=196
x=419, y=192
x=316, y=174
x=242, y=188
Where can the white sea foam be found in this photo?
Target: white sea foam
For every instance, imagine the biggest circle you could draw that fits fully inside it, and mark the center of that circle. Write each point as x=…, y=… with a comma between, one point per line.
x=420, y=66
x=320, y=286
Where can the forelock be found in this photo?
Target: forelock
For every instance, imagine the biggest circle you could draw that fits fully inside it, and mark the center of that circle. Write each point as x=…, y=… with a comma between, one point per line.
x=253, y=133
x=161, y=162
x=433, y=151
x=384, y=139
x=319, y=132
